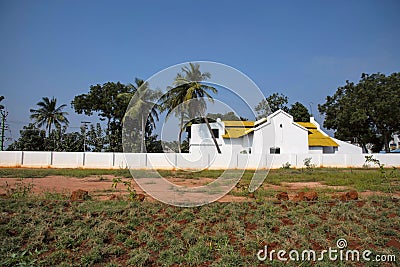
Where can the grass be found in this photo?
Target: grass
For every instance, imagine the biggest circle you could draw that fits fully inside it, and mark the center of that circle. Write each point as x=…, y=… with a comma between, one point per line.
x=43, y=232
x=358, y=179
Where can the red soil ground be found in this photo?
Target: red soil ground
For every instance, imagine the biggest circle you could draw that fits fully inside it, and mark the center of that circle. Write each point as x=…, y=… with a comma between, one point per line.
x=100, y=187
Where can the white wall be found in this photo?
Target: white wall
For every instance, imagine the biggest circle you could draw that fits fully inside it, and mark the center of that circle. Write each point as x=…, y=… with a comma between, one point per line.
x=67, y=159
x=263, y=139
x=201, y=140
x=291, y=137
x=316, y=150
x=185, y=161
x=36, y=159
x=200, y=134
x=280, y=131
x=346, y=148
x=11, y=158
x=236, y=145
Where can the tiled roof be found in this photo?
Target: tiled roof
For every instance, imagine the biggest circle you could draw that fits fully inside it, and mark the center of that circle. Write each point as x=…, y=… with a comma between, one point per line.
x=236, y=129
x=315, y=137
x=239, y=123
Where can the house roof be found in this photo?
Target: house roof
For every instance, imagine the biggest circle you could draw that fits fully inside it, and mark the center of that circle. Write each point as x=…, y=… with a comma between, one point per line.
x=316, y=137
x=236, y=129
x=308, y=125
x=236, y=132
x=239, y=123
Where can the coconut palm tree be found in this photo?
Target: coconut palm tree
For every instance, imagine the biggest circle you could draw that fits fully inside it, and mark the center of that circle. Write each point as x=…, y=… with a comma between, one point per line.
x=49, y=114
x=1, y=99
x=188, y=97
x=144, y=107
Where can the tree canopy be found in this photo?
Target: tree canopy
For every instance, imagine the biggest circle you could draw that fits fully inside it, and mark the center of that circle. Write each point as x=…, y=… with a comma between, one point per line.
x=276, y=102
x=299, y=112
x=229, y=116
x=144, y=108
x=1, y=99
x=31, y=139
x=187, y=97
x=104, y=100
x=367, y=112
x=49, y=114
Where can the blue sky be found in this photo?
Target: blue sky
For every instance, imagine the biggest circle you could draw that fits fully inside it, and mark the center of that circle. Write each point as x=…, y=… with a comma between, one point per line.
x=303, y=49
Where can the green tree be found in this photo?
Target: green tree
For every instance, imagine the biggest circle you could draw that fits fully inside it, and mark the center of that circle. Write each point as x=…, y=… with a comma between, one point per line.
x=1, y=99
x=31, y=138
x=299, y=112
x=3, y=115
x=144, y=107
x=71, y=142
x=229, y=116
x=271, y=104
x=153, y=145
x=60, y=140
x=104, y=100
x=276, y=102
x=367, y=112
x=95, y=138
x=187, y=97
x=49, y=114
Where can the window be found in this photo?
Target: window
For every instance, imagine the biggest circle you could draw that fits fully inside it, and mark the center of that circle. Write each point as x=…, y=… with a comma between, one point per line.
x=216, y=133
x=274, y=150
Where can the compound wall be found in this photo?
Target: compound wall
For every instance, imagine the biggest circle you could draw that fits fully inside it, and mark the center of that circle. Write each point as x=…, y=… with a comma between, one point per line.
x=109, y=160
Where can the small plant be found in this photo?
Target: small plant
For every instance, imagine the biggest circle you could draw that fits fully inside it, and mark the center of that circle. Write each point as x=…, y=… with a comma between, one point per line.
x=308, y=164
x=286, y=166
x=393, y=172
x=21, y=190
x=128, y=184
x=24, y=258
x=370, y=159
x=101, y=178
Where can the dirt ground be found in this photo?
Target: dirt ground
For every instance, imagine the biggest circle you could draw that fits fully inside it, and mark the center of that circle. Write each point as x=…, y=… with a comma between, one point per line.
x=100, y=187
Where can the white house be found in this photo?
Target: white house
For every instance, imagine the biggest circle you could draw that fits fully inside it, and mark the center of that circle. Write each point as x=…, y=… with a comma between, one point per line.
x=276, y=134
x=395, y=143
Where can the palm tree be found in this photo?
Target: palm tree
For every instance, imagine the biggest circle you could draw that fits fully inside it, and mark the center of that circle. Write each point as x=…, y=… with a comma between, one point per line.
x=49, y=114
x=188, y=97
x=1, y=99
x=144, y=106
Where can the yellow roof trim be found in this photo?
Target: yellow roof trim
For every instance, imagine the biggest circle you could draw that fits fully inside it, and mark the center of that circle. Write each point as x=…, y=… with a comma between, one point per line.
x=236, y=132
x=315, y=137
x=237, y=129
x=239, y=123
x=307, y=125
